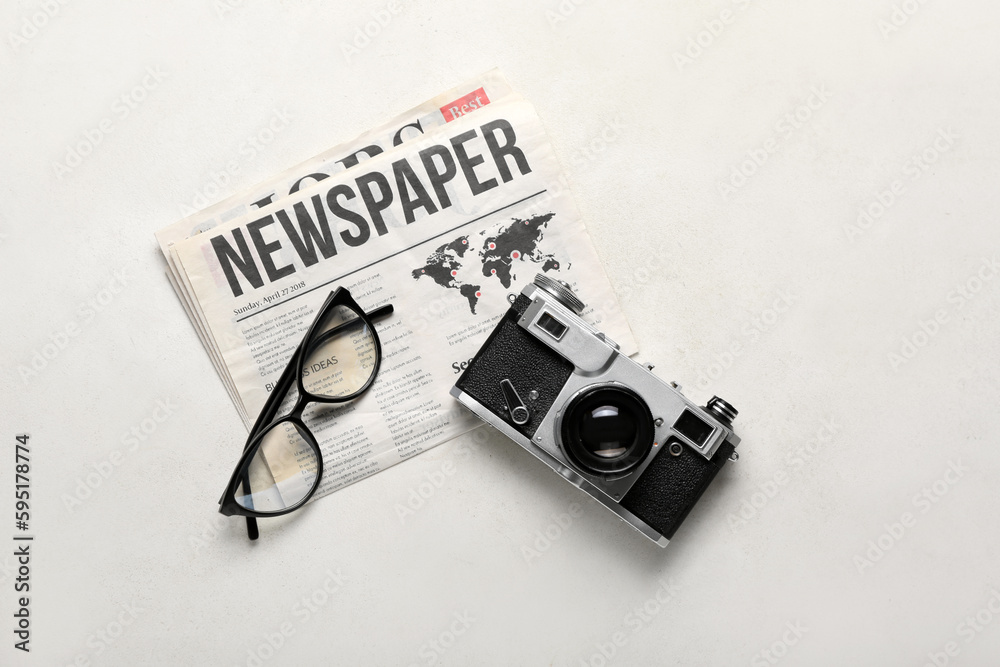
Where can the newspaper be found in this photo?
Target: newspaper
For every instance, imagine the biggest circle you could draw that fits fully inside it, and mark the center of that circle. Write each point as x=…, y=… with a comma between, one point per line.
x=446, y=227
x=461, y=100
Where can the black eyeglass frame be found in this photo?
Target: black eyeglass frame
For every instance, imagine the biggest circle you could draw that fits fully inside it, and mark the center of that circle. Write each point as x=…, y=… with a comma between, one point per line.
x=267, y=419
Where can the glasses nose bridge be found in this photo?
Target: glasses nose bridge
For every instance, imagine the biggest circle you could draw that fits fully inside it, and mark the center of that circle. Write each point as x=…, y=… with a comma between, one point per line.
x=301, y=401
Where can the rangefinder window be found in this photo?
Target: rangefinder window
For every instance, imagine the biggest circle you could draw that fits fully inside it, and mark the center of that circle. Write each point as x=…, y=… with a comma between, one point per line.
x=693, y=428
x=551, y=326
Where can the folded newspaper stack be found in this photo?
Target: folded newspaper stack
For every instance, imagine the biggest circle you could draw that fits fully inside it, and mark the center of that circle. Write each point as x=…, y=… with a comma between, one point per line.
x=444, y=212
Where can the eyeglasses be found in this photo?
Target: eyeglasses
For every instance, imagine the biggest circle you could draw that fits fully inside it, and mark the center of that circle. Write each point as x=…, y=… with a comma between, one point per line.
x=282, y=465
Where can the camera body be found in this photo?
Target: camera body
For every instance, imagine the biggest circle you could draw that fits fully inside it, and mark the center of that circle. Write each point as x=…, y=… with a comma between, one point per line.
x=562, y=390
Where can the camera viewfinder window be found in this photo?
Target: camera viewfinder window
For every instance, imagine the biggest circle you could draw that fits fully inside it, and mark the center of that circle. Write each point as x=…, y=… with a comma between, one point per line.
x=693, y=428
x=551, y=326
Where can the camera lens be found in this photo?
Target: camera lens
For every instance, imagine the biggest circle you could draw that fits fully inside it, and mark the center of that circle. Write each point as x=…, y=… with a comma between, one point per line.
x=607, y=430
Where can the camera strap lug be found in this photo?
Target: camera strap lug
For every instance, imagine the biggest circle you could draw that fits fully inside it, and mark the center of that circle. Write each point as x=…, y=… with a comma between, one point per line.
x=515, y=406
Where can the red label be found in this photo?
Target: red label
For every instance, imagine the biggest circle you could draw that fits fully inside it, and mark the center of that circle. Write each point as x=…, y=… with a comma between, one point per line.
x=464, y=105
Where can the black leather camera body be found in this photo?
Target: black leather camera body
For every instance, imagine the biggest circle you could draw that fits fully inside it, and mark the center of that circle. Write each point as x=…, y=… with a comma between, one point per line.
x=562, y=390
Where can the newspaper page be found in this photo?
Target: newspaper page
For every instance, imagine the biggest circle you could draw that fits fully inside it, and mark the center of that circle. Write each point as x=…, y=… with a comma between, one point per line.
x=461, y=100
x=447, y=228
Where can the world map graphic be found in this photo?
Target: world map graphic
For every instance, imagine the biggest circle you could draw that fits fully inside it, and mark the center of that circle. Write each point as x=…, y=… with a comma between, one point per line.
x=518, y=241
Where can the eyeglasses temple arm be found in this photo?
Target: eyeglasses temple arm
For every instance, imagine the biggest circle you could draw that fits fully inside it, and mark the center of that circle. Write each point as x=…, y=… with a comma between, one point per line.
x=380, y=312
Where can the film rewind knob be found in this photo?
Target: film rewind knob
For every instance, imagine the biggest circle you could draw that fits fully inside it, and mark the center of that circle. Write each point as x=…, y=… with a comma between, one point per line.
x=561, y=291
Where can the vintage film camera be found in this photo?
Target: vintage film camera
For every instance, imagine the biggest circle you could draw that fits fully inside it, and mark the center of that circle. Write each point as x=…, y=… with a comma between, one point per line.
x=561, y=389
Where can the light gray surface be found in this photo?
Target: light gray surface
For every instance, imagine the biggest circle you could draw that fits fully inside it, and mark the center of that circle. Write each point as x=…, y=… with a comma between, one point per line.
x=645, y=143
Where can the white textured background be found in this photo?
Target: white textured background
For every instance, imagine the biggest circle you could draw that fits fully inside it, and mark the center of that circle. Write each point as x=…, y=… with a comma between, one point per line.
x=694, y=267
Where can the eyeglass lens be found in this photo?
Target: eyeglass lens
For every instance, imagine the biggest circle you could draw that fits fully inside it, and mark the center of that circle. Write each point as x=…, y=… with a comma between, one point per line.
x=281, y=472
x=340, y=357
